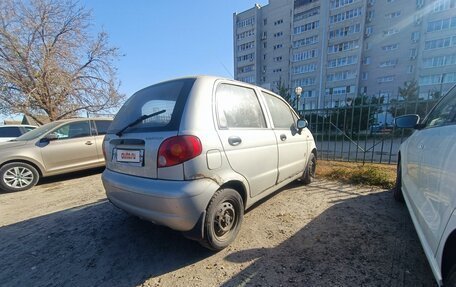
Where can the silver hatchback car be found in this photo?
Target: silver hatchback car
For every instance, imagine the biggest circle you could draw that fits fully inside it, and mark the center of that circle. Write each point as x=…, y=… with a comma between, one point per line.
x=194, y=153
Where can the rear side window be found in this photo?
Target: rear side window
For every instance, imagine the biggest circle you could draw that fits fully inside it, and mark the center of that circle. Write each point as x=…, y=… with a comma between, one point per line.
x=238, y=107
x=280, y=112
x=102, y=127
x=10, y=132
x=169, y=97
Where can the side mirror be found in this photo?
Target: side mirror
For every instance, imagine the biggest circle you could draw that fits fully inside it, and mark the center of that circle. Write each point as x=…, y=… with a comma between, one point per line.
x=301, y=124
x=407, y=121
x=51, y=137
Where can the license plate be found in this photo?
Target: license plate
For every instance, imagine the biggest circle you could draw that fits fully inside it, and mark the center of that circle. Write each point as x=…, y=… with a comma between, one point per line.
x=128, y=155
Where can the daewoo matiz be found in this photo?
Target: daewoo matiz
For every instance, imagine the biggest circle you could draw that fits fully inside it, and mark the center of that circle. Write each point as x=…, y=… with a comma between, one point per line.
x=193, y=153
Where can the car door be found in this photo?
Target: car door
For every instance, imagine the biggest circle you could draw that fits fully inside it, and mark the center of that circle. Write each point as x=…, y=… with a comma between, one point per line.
x=249, y=144
x=435, y=189
x=292, y=144
x=74, y=148
x=99, y=129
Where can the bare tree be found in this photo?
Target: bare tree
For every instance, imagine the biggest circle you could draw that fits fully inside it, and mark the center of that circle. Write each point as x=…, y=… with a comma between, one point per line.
x=50, y=64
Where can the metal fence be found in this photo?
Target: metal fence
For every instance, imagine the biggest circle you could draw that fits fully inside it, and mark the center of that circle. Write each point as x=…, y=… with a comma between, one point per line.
x=362, y=131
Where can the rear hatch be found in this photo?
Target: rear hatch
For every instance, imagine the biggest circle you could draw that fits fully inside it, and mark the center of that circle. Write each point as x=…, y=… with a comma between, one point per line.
x=145, y=120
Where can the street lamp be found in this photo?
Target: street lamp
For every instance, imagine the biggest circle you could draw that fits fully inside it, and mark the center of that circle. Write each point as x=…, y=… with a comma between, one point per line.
x=298, y=92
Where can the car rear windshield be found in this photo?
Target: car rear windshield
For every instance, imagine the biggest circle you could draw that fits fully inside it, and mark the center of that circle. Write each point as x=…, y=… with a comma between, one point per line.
x=169, y=96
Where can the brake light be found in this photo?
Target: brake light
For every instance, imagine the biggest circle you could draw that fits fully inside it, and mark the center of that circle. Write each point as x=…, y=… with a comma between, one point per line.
x=178, y=149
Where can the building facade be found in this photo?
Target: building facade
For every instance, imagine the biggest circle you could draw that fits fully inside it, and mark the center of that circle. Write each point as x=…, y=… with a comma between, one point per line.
x=339, y=49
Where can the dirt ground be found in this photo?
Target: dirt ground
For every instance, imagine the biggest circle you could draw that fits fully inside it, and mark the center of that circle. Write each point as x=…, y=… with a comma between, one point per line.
x=64, y=232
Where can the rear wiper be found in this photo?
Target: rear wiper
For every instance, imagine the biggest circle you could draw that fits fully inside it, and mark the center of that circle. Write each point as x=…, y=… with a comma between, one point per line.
x=137, y=121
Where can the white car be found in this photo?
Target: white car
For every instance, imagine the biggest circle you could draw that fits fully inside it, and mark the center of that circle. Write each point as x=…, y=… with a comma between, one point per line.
x=9, y=132
x=427, y=182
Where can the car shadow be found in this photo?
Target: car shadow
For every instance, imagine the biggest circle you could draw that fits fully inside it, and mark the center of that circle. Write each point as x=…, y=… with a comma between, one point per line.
x=70, y=176
x=92, y=245
x=366, y=240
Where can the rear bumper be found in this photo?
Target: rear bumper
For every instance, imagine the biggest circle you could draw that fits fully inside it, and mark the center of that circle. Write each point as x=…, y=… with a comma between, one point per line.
x=176, y=204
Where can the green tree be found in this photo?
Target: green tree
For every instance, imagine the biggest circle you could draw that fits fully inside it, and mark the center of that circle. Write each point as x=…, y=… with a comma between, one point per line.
x=410, y=103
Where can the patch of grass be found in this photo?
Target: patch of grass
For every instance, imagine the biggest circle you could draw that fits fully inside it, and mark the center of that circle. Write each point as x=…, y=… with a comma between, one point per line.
x=381, y=175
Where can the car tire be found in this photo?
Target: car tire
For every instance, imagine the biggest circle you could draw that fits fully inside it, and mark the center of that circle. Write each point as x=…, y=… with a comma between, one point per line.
x=18, y=176
x=398, y=196
x=450, y=280
x=309, y=172
x=224, y=216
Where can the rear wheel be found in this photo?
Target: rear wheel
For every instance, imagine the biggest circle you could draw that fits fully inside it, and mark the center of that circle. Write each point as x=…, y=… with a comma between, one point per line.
x=309, y=173
x=18, y=176
x=223, y=219
x=398, y=196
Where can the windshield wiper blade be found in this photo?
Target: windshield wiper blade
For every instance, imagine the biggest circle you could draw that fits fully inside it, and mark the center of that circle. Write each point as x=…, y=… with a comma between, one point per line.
x=138, y=120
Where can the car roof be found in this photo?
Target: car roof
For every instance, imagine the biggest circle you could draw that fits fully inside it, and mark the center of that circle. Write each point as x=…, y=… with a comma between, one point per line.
x=5, y=126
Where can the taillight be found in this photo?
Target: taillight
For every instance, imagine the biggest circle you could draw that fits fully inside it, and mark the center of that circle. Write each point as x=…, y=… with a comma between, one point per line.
x=178, y=149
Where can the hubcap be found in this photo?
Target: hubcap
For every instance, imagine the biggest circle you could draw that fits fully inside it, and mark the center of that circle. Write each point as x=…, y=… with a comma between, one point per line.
x=18, y=177
x=224, y=218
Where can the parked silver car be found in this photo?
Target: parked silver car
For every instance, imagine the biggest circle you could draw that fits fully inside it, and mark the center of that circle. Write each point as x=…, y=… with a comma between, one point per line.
x=54, y=148
x=193, y=153
x=426, y=181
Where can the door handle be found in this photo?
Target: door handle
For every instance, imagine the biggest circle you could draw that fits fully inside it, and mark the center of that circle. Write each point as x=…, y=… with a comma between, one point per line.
x=234, y=140
x=283, y=137
x=89, y=143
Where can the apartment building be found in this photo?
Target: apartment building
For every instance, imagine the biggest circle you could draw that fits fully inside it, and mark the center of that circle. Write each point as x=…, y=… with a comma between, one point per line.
x=338, y=49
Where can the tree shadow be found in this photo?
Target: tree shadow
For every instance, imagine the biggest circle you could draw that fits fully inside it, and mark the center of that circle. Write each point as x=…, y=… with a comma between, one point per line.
x=367, y=240
x=92, y=245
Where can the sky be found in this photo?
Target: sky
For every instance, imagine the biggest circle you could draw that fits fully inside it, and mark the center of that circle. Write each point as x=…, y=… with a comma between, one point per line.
x=162, y=39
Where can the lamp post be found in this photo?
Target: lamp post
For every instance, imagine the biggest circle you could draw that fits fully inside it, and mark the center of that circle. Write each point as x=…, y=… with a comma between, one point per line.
x=298, y=92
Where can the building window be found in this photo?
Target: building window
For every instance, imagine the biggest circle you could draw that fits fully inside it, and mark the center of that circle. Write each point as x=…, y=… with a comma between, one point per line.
x=350, y=14
x=303, y=69
x=415, y=36
x=341, y=76
x=440, y=43
x=246, y=46
x=307, y=14
x=278, y=22
x=439, y=61
x=443, y=5
x=277, y=70
x=305, y=55
x=389, y=63
x=305, y=42
x=390, y=47
x=278, y=34
x=393, y=14
x=410, y=69
x=437, y=79
x=278, y=46
x=385, y=79
x=248, y=57
x=277, y=59
x=341, y=62
x=366, y=60
x=246, y=22
x=246, y=69
x=265, y=21
x=341, y=3
x=390, y=32
x=246, y=34
x=345, y=31
x=442, y=24
x=345, y=46
x=303, y=82
x=365, y=75
x=413, y=53
x=306, y=27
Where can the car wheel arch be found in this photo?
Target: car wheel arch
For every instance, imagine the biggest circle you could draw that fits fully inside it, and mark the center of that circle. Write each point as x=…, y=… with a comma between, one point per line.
x=239, y=187
x=35, y=165
x=449, y=254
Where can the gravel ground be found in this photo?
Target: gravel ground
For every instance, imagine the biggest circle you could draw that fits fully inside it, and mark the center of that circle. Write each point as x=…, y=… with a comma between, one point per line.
x=64, y=232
